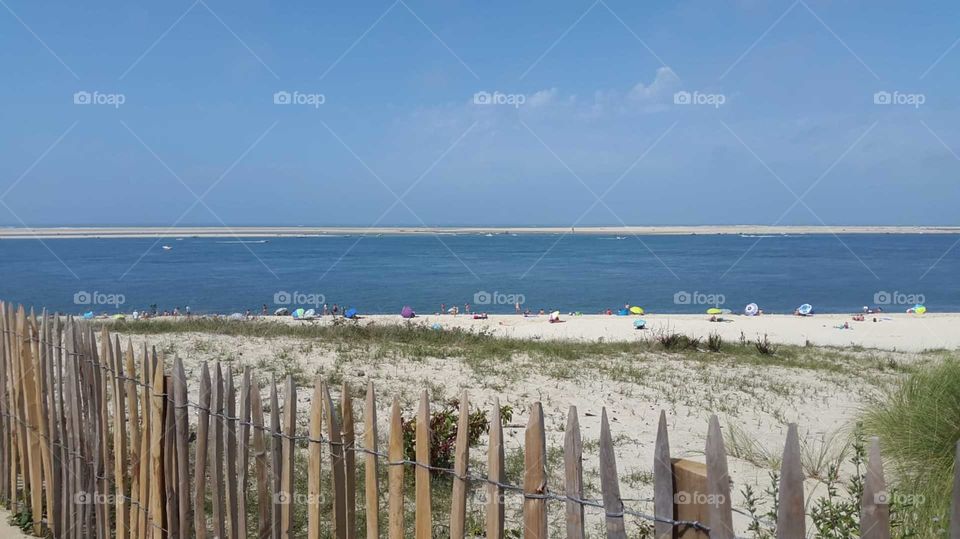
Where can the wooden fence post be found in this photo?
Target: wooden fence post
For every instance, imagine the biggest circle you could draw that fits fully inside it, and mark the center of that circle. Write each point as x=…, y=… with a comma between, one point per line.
x=610, y=485
x=372, y=488
x=276, y=459
x=662, y=481
x=314, y=461
x=216, y=456
x=230, y=421
x=718, y=484
x=458, y=503
x=955, y=498
x=349, y=461
x=200, y=470
x=791, y=518
x=423, y=519
x=182, y=428
x=243, y=430
x=573, y=473
x=496, y=473
x=158, y=491
x=261, y=459
x=133, y=420
x=286, y=476
x=875, y=505
x=336, y=465
x=535, y=476
x=395, y=472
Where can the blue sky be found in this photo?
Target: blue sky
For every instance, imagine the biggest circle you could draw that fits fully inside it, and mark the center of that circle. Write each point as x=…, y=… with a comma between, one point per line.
x=788, y=132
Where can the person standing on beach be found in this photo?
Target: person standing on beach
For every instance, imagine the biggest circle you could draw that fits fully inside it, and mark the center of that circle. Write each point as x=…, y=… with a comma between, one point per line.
x=186, y=310
x=263, y=311
x=325, y=311
x=466, y=308
x=443, y=308
x=516, y=307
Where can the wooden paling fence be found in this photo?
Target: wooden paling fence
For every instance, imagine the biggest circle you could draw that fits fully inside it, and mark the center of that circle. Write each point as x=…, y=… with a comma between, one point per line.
x=96, y=440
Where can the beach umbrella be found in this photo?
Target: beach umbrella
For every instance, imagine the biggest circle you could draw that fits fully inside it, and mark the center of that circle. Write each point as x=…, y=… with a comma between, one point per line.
x=119, y=316
x=236, y=316
x=623, y=312
x=919, y=309
x=751, y=310
x=714, y=310
x=297, y=314
x=351, y=313
x=282, y=311
x=555, y=316
x=806, y=309
x=88, y=315
x=407, y=312
x=636, y=310
x=311, y=313
x=639, y=323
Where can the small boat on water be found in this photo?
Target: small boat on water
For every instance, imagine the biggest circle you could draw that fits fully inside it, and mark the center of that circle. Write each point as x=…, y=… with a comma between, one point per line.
x=167, y=248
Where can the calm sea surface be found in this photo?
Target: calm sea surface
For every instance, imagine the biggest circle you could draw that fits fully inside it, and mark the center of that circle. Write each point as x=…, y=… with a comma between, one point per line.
x=570, y=273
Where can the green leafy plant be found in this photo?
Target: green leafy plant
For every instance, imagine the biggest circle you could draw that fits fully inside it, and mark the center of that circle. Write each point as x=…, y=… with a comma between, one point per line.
x=443, y=431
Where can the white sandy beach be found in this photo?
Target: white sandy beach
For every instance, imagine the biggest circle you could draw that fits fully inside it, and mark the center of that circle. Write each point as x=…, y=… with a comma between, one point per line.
x=298, y=231
x=892, y=331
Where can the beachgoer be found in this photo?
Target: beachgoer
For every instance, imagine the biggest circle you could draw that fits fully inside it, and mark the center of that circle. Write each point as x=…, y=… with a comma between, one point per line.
x=264, y=311
x=325, y=311
x=516, y=307
x=186, y=311
x=443, y=308
x=336, y=309
x=466, y=308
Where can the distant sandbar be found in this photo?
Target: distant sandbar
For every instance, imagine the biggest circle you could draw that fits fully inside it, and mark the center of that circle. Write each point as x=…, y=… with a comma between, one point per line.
x=279, y=232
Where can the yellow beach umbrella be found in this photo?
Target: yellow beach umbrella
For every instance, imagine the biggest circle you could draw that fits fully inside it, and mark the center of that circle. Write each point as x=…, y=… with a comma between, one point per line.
x=714, y=310
x=636, y=310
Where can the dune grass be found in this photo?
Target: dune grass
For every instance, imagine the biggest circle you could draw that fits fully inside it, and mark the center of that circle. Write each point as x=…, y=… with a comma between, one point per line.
x=419, y=341
x=919, y=425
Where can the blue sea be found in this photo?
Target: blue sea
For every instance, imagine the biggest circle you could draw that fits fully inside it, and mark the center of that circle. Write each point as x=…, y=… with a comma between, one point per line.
x=587, y=273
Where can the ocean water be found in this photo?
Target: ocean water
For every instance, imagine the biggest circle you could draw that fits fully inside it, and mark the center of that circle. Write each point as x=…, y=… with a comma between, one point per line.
x=588, y=273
